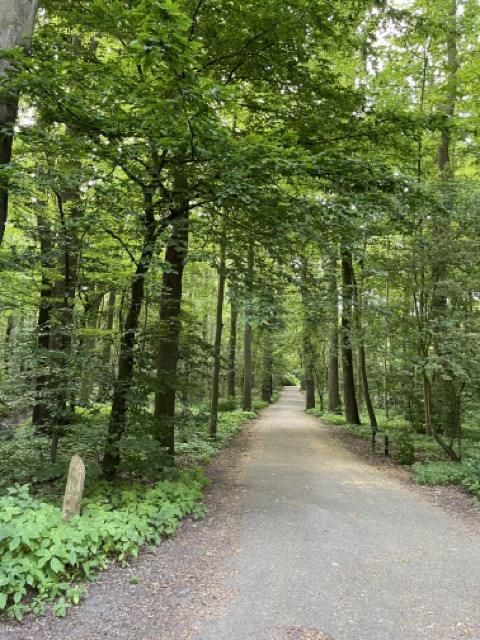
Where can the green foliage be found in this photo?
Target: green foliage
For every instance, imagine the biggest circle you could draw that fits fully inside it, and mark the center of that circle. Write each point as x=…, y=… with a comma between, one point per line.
x=290, y=380
x=43, y=558
x=198, y=447
x=403, y=446
x=227, y=404
x=328, y=417
x=466, y=473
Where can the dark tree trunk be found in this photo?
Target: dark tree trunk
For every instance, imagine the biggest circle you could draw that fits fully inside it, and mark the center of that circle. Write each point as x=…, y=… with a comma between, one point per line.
x=217, y=345
x=40, y=414
x=362, y=361
x=170, y=326
x=267, y=376
x=309, y=374
x=232, y=348
x=349, y=398
x=334, y=402
x=126, y=359
x=247, y=367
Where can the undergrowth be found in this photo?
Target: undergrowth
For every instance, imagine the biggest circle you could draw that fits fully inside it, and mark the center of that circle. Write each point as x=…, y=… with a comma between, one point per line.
x=42, y=558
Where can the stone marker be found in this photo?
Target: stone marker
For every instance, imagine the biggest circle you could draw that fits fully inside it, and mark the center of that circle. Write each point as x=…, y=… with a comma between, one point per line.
x=72, y=501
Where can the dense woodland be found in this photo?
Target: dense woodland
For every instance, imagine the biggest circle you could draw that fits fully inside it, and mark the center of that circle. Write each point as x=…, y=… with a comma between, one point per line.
x=202, y=201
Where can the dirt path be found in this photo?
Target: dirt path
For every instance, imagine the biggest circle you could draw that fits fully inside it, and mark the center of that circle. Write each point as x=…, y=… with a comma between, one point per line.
x=303, y=539
x=333, y=545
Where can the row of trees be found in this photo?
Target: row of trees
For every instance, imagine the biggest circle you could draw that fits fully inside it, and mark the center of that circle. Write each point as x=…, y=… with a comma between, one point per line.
x=303, y=173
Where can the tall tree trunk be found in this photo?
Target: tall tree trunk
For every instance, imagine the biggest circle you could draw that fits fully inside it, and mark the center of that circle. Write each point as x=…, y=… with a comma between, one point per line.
x=91, y=320
x=17, y=19
x=40, y=414
x=362, y=360
x=217, y=345
x=349, y=399
x=334, y=402
x=7, y=356
x=107, y=348
x=247, y=334
x=267, y=376
x=247, y=367
x=232, y=348
x=448, y=397
x=170, y=326
x=307, y=347
x=126, y=358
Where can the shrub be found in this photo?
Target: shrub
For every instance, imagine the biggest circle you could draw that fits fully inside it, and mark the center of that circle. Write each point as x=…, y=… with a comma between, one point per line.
x=404, y=448
x=227, y=404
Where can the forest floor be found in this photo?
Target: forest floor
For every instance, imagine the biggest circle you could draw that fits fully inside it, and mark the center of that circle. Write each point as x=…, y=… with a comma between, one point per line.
x=305, y=540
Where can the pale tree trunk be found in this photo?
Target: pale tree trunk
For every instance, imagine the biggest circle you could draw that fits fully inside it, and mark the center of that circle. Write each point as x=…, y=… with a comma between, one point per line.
x=247, y=336
x=17, y=19
x=449, y=398
x=217, y=345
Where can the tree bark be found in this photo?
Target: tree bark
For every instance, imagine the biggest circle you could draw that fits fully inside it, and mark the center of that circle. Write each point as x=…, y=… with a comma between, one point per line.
x=126, y=359
x=247, y=336
x=17, y=19
x=170, y=326
x=232, y=348
x=217, y=345
x=349, y=399
x=334, y=402
x=267, y=376
x=40, y=414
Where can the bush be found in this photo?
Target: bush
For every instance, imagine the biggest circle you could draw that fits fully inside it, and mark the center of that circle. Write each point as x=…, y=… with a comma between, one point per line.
x=404, y=448
x=227, y=404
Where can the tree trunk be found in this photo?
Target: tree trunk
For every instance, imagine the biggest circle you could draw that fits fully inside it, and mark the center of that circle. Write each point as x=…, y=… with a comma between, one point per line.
x=40, y=414
x=170, y=326
x=267, y=377
x=217, y=345
x=247, y=336
x=107, y=348
x=232, y=348
x=247, y=367
x=349, y=399
x=126, y=359
x=334, y=402
x=17, y=19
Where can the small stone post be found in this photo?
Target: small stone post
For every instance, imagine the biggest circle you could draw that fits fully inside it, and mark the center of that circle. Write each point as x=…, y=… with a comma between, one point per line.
x=72, y=501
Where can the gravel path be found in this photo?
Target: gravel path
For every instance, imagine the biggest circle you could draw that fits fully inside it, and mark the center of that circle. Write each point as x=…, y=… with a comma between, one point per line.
x=332, y=545
x=304, y=541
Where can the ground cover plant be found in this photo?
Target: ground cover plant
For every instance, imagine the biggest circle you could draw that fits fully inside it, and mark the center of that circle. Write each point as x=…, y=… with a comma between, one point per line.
x=43, y=558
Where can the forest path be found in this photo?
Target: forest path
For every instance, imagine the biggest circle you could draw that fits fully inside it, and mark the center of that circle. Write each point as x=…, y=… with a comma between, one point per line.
x=331, y=544
x=302, y=538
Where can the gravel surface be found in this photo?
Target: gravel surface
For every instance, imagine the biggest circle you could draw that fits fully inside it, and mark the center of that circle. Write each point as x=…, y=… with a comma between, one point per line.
x=304, y=541
x=333, y=545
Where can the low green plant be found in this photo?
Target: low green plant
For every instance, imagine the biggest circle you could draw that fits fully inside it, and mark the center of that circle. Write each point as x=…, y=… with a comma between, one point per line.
x=327, y=416
x=403, y=446
x=43, y=558
x=227, y=404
